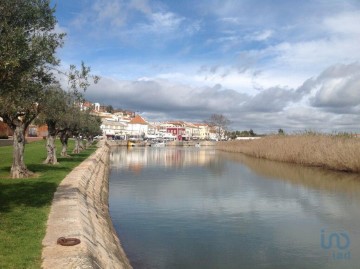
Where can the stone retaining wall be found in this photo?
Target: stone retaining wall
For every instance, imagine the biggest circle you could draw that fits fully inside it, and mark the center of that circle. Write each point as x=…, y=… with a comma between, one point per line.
x=80, y=210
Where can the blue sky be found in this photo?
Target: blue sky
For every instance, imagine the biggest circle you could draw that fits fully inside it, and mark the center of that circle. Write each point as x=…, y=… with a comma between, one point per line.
x=266, y=64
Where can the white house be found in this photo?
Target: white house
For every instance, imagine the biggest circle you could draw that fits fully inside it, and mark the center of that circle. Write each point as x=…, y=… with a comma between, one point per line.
x=204, y=130
x=192, y=131
x=137, y=127
x=111, y=127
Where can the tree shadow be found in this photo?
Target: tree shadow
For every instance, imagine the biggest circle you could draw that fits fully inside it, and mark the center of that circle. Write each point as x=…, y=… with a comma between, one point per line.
x=26, y=193
x=71, y=159
x=43, y=168
x=5, y=169
x=74, y=157
x=35, y=168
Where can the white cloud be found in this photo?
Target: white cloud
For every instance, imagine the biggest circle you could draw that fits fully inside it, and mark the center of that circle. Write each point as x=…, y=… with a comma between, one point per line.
x=338, y=88
x=230, y=20
x=346, y=23
x=164, y=96
x=115, y=12
x=60, y=29
x=324, y=103
x=133, y=20
x=261, y=36
x=110, y=11
x=141, y=5
x=160, y=23
x=272, y=61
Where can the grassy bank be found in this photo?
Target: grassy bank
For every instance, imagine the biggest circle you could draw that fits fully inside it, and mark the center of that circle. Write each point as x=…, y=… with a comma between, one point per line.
x=329, y=151
x=25, y=204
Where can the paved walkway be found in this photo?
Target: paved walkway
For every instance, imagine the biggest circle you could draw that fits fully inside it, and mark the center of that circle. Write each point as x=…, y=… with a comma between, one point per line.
x=80, y=210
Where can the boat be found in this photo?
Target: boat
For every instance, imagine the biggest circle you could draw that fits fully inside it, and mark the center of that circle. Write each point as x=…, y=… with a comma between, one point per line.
x=130, y=144
x=158, y=144
x=197, y=145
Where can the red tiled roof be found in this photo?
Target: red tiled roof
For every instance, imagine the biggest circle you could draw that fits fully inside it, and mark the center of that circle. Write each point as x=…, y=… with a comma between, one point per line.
x=138, y=120
x=87, y=104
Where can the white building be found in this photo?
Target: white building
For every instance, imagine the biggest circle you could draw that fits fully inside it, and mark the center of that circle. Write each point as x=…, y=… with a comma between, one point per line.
x=137, y=127
x=113, y=128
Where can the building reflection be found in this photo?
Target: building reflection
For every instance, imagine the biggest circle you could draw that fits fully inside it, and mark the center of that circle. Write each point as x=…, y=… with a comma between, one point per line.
x=135, y=159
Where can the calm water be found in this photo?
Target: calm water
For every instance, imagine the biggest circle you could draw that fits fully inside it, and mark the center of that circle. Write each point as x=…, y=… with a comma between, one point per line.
x=199, y=208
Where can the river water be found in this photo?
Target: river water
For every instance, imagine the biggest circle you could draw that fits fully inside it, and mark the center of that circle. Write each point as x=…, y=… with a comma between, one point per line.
x=201, y=208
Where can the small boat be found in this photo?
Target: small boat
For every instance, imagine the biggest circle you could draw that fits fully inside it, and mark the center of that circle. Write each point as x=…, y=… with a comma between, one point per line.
x=158, y=144
x=130, y=144
x=197, y=145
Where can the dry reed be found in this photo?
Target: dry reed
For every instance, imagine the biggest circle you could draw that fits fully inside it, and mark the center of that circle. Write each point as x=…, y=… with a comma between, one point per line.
x=334, y=152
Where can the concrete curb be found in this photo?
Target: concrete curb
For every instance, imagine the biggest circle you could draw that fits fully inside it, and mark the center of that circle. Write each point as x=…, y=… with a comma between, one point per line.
x=80, y=209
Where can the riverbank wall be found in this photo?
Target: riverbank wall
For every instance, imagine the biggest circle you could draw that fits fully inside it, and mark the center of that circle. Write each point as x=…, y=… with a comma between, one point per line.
x=80, y=210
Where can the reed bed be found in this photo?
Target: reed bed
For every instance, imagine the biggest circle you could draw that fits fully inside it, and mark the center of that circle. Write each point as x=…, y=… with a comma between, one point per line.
x=334, y=152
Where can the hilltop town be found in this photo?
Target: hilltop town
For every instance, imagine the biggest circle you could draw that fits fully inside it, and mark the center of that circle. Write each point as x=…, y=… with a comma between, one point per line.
x=119, y=124
x=127, y=125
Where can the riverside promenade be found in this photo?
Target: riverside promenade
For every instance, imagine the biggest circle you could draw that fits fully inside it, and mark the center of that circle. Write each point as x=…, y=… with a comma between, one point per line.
x=80, y=210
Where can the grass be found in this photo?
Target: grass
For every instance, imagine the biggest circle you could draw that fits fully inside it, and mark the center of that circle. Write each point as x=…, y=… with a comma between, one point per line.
x=25, y=203
x=335, y=152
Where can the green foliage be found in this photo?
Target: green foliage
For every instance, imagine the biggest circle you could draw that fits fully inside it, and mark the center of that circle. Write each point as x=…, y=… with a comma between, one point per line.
x=25, y=204
x=281, y=132
x=110, y=109
x=53, y=111
x=27, y=54
x=90, y=125
x=79, y=80
x=28, y=46
x=245, y=133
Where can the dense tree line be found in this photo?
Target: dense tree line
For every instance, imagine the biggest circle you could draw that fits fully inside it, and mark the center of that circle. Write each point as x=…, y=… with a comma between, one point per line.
x=29, y=86
x=245, y=133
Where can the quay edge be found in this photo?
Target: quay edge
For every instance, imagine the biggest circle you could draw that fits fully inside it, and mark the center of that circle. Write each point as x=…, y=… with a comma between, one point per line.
x=80, y=210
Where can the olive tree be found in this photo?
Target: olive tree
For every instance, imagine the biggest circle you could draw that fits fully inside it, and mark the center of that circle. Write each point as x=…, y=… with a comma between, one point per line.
x=28, y=46
x=61, y=106
x=86, y=126
x=53, y=112
x=68, y=122
x=91, y=128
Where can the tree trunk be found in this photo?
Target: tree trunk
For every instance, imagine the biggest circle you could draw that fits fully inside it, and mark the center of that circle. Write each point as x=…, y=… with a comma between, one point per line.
x=89, y=141
x=50, y=145
x=64, y=142
x=51, y=150
x=81, y=144
x=77, y=148
x=18, y=168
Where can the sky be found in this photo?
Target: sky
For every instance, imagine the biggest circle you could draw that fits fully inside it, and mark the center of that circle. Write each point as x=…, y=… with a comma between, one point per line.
x=265, y=64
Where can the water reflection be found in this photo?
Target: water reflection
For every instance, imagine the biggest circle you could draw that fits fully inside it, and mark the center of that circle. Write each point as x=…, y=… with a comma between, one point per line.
x=197, y=208
x=135, y=159
x=311, y=177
